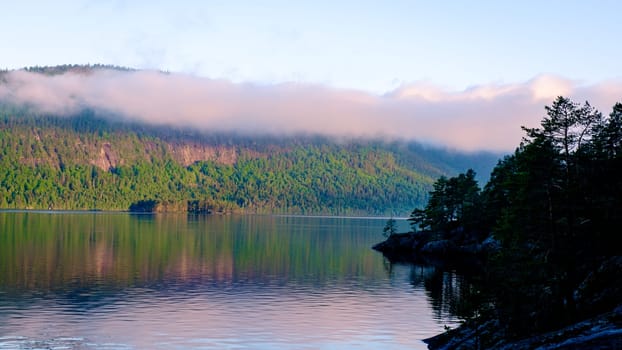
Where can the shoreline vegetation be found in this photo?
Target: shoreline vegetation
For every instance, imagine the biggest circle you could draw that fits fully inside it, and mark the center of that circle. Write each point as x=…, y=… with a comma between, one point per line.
x=539, y=239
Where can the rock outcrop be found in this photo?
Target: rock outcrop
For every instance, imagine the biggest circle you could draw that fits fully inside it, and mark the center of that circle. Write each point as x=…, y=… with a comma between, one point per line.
x=603, y=331
x=417, y=246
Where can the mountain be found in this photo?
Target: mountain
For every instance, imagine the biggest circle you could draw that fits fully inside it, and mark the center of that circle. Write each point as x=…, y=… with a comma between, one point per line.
x=92, y=160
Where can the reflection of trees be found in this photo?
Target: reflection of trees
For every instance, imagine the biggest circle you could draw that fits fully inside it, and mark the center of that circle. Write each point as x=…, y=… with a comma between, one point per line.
x=73, y=251
x=387, y=265
x=450, y=292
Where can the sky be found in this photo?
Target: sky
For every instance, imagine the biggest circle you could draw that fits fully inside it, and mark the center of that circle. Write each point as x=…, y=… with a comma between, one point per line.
x=444, y=72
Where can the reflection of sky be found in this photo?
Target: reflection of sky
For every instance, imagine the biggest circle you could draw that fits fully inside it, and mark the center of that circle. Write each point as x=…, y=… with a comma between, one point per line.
x=244, y=282
x=347, y=315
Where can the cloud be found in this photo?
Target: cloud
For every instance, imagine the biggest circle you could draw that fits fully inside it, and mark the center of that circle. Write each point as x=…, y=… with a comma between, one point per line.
x=486, y=117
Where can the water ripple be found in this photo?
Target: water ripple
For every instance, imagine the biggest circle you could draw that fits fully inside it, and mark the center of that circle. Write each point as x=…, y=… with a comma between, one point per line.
x=114, y=282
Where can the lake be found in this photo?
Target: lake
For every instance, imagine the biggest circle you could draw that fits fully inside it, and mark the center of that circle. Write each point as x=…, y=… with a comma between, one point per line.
x=97, y=280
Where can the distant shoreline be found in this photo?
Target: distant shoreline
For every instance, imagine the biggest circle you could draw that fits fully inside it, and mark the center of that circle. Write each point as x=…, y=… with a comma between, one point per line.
x=109, y=211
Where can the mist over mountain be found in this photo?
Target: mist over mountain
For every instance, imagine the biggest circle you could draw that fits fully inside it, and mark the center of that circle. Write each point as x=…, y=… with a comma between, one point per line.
x=486, y=117
x=85, y=161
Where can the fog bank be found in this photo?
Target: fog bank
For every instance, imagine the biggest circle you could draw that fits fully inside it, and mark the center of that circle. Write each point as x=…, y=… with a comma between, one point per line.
x=486, y=117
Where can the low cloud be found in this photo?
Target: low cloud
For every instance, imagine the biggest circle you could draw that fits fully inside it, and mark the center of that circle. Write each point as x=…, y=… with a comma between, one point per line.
x=486, y=117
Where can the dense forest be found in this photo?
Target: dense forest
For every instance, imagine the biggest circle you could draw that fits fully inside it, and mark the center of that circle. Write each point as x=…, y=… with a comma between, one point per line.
x=555, y=208
x=89, y=161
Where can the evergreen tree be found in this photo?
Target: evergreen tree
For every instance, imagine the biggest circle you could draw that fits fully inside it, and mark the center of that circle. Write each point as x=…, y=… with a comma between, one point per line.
x=554, y=205
x=454, y=203
x=390, y=228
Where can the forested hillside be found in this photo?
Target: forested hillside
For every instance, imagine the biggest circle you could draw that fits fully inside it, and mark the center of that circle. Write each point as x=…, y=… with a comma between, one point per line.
x=90, y=161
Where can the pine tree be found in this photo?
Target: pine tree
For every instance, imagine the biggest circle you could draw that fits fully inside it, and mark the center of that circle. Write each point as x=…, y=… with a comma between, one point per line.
x=390, y=228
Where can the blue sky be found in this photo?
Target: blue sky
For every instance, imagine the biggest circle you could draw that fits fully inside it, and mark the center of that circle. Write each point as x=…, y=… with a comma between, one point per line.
x=374, y=46
x=460, y=74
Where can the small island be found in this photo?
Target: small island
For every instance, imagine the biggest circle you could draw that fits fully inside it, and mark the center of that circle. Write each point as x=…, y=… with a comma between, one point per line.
x=188, y=206
x=542, y=232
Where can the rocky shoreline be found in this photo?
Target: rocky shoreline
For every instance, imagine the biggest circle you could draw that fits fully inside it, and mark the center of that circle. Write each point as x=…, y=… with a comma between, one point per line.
x=601, y=332
x=601, y=328
x=426, y=247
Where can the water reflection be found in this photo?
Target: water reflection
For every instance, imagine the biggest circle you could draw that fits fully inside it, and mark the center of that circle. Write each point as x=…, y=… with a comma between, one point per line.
x=114, y=280
x=448, y=289
x=133, y=250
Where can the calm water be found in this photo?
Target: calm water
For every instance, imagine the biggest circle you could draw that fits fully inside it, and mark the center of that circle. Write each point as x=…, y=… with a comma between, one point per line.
x=122, y=281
